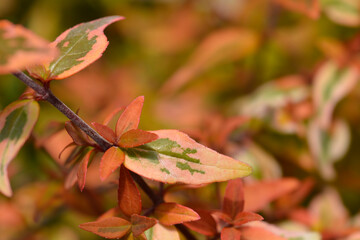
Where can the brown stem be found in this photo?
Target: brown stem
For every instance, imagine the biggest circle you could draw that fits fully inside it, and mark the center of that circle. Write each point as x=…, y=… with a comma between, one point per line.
x=47, y=95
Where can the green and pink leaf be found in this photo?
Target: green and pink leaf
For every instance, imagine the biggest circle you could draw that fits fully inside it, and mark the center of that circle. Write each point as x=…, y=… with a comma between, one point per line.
x=79, y=46
x=175, y=157
x=16, y=123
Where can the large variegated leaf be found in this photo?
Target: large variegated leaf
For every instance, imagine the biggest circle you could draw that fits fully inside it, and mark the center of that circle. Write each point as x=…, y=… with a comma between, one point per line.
x=344, y=12
x=175, y=157
x=332, y=83
x=79, y=46
x=20, y=48
x=16, y=122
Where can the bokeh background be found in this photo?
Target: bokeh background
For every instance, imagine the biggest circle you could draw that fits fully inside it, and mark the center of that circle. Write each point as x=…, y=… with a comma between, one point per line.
x=201, y=65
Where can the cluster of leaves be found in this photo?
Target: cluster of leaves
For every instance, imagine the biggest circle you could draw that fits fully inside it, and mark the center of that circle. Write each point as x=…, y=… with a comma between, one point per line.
x=283, y=123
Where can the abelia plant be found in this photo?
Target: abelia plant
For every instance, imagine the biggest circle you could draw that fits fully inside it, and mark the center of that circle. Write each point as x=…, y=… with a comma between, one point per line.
x=167, y=156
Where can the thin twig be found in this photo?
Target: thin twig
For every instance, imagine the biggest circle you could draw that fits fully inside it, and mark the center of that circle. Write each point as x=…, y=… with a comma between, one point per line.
x=47, y=95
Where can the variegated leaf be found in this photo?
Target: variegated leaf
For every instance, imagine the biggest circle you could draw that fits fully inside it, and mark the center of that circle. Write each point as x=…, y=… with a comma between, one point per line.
x=175, y=157
x=112, y=227
x=20, y=48
x=16, y=123
x=79, y=46
x=344, y=12
x=332, y=83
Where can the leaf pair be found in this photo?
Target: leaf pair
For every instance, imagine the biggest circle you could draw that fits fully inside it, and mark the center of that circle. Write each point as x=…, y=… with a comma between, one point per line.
x=126, y=136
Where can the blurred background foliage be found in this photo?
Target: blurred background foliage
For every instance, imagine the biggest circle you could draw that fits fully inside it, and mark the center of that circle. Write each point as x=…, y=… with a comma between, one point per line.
x=198, y=64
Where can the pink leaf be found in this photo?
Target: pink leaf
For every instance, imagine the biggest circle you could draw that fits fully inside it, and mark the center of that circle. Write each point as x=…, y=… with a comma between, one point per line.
x=130, y=118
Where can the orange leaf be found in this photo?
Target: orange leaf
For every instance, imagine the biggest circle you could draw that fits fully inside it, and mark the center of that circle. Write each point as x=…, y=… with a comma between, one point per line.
x=232, y=234
x=258, y=195
x=71, y=177
x=245, y=217
x=141, y=224
x=79, y=46
x=21, y=48
x=110, y=161
x=105, y=131
x=234, y=198
x=112, y=227
x=81, y=174
x=135, y=138
x=129, y=198
x=173, y=213
x=251, y=233
x=206, y=225
x=130, y=118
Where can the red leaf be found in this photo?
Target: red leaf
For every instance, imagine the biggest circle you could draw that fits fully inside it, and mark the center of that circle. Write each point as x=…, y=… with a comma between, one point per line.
x=105, y=131
x=206, y=225
x=173, y=213
x=110, y=161
x=112, y=227
x=71, y=177
x=129, y=198
x=245, y=217
x=141, y=224
x=130, y=118
x=81, y=174
x=135, y=138
x=259, y=194
x=234, y=198
x=251, y=233
x=232, y=234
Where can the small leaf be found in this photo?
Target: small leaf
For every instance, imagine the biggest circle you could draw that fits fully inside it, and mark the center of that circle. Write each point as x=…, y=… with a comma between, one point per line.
x=79, y=46
x=78, y=136
x=105, y=131
x=72, y=177
x=173, y=213
x=110, y=161
x=161, y=232
x=81, y=174
x=245, y=217
x=130, y=118
x=175, y=157
x=206, y=225
x=21, y=48
x=129, y=198
x=141, y=223
x=16, y=123
x=234, y=198
x=112, y=227
x=231, y=234
x=135, y=138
